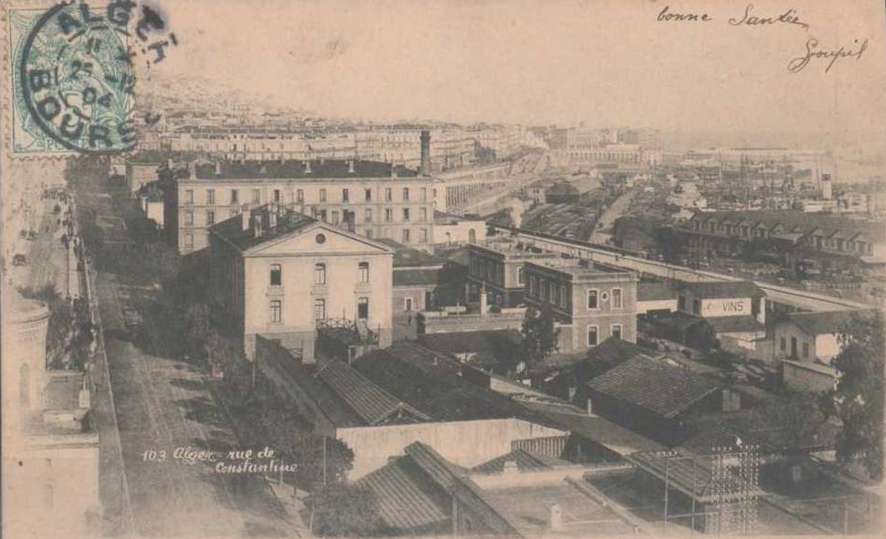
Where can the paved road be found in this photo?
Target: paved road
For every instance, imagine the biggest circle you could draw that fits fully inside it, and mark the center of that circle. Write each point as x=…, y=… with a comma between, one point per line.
x=161, y=403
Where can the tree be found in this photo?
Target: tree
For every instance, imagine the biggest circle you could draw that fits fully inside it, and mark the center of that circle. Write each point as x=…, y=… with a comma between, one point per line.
x=223, y=354
x=198, y=327
x=857, y=398
x=343, y=510
x=539, y=334
x=322, y=460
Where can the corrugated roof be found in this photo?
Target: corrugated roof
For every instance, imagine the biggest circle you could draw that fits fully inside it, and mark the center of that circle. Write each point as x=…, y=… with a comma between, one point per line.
x=658, y=385
x=370, y=402
x=404, y=502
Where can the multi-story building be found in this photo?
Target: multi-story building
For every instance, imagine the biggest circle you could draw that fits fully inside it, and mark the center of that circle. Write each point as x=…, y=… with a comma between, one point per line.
x=589, y=303
x=801, y=241
x=287, y=276
x=374, y=199
x=497, y=267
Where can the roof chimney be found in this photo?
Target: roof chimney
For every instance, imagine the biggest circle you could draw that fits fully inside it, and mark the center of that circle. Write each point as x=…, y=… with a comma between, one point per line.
x=244, y=218
x=218, y=168
x=425, y=169
x=308, y=166
x=351, y=167
x=393, y=170
x=272, y=217
x=256, y=226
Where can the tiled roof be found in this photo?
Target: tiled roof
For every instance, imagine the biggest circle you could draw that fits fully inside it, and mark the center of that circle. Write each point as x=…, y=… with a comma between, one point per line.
x=406, y=371
x=409, y=257
x=658, y=385
x=735, y=324
x=326, y=168
x=724, y=289
x=405, y=502
x=821, y=322
x=525, y=461
x=369, y=401
x=232, y=229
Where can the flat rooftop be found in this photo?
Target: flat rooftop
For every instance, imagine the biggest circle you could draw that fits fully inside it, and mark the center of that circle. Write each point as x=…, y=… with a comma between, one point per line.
x=326, y=169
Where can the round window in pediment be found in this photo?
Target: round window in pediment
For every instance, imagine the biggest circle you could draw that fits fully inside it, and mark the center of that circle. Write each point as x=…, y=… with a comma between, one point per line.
x=604, y=296
x=321, y=238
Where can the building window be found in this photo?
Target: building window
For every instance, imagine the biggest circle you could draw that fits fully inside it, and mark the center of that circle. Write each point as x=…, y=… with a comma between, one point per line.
x=407, y=304
x=555, y=294
x=335, y=217
x=189, y=217
x=544, y=289
x=367, y=215
x=276, y=275
x=696, y=306
x=344, y=195
x=521, y=276
x=300, y=195
x=389, y=215
x=210, y=217
x=367, y=193
x=363, y=309
x=388, y=194
x=363, y=268
x=276, y=195
x=681, y=302
x=322, y=195
x=592, y=335
x=616, y=331
x=235, y=196
x=319, y=273
x=423, y=214
x=805, y=349
x=782, y=344
x=256, y=196
x=563, y=296
x=210, y=197
x=189, y=196
x=533, y=286
x=405, y=215
x=592, y=299
x=424, y=235
x=405, y=235
x=405, y=194
x=319, y=309
x=189, y=240
x=616, y=298
x=276, y=311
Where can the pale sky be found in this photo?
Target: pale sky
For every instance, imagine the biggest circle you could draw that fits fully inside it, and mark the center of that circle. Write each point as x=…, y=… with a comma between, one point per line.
x=554, y=61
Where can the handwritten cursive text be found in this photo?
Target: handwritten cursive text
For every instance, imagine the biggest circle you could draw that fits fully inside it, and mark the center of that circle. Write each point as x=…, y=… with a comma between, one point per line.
x=788, y=17
x=813, y=50
x=666, y=15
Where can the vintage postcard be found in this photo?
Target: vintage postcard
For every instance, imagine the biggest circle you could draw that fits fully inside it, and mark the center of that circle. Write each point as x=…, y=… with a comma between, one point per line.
x=414, y=268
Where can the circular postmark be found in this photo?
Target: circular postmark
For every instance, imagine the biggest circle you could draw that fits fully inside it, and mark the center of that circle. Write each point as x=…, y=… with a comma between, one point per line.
x=77, y=79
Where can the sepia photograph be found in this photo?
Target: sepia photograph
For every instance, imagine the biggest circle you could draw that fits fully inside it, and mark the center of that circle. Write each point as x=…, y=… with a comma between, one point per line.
x=442, y=268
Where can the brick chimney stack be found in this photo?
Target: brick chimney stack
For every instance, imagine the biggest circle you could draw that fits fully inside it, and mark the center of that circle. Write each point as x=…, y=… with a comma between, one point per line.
x=425, y=169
